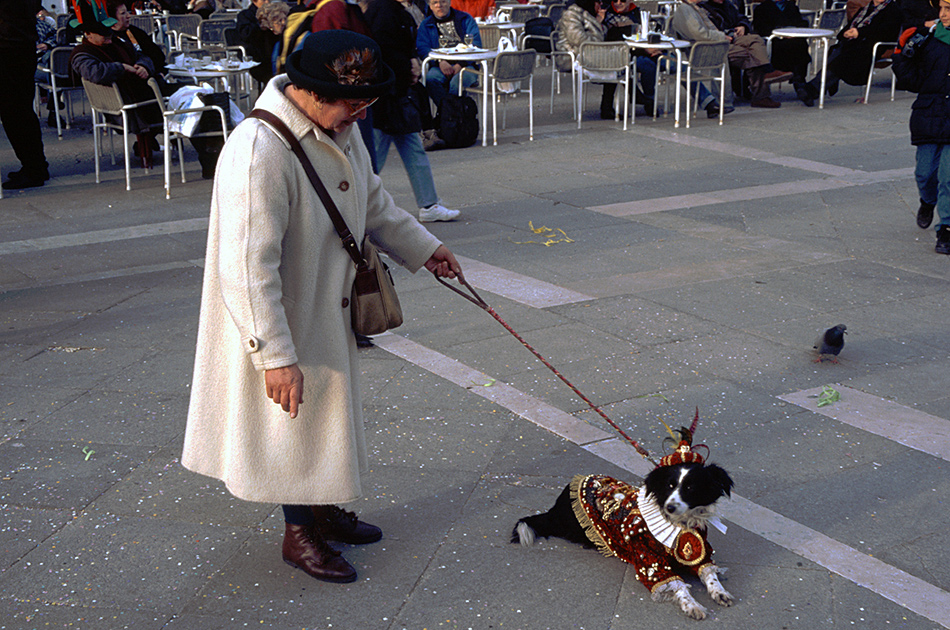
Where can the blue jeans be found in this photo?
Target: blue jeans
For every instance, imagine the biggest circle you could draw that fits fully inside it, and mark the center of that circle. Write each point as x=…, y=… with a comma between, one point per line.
x=414, y=158
x=438, y=85
x=933, y=179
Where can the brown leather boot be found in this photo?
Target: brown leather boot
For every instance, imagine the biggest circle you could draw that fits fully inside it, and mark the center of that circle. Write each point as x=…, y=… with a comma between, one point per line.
x=305, y=549
x=334, y=523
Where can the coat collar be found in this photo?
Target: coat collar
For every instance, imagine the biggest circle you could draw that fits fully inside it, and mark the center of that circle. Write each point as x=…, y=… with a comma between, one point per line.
x=274, y=101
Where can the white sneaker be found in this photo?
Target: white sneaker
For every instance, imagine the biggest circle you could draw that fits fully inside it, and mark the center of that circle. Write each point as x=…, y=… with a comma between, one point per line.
x=437, y=212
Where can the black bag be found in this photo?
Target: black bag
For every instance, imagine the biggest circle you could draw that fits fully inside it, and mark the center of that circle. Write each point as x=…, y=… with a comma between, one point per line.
x=458, y=121
x=211, y=121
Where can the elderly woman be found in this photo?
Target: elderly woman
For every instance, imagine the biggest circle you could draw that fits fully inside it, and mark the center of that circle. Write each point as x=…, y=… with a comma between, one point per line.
x=133, y=36
x=272, y=18
x=274, y=329
x=101, y=59
x=850, y=59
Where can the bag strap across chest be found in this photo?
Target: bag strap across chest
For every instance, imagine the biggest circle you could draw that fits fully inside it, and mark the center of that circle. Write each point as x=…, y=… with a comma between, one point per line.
x=339, y=224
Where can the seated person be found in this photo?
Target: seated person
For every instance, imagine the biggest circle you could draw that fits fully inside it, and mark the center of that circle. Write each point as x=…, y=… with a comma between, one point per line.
x=204, y=8
x=174, y=7
x=133, y=36
x=45, y=43
x=445, y=27
x=583, y=22
x=747, y=51
x=787, y=54
x=476, y=8
x=100, y=59
x=623, y=18
x=272, y=21
x=694, y=25
x=850, y=60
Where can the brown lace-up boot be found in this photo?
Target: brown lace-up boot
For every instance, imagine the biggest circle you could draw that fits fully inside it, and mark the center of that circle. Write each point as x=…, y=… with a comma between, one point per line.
x=305, y=549
x=334, y=523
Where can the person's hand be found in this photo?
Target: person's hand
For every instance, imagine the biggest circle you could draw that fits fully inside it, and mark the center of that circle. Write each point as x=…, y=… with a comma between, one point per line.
x=42, y=47
x=851, y=33
x=740, y=30
x=443, y=264
x=284, y=385
x=601, y=13
x=654, y=52
x=447, y=68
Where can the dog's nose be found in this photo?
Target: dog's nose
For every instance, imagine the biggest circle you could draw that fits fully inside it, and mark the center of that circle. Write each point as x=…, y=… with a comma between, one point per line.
x=669, y=507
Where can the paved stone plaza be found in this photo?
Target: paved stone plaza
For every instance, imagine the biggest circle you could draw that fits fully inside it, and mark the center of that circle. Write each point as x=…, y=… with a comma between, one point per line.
x=671, y=269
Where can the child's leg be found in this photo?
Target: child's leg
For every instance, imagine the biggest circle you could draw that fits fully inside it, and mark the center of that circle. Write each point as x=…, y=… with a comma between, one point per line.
x=928, y=161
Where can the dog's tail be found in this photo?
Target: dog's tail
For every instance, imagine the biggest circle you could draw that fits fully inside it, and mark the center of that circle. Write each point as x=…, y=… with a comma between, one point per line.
x=558, y=521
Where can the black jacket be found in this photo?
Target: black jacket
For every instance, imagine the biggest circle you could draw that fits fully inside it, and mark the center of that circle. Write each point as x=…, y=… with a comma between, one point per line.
x=726, y=15
x=916, y=12
x=850, y=59
x=18, y=23
x=394, y=30
x=927, y=73
x=787, y=54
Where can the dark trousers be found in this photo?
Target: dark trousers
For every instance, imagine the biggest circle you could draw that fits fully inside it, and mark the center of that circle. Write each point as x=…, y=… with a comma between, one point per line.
x=16, y=108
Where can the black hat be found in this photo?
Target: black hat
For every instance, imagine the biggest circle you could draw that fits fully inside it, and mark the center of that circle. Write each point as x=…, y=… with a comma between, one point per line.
x=91, y=17
x=340, y=64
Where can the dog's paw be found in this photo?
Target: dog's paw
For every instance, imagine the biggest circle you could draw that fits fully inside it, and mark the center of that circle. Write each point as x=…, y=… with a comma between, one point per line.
x=722, y=597
x=693, y=610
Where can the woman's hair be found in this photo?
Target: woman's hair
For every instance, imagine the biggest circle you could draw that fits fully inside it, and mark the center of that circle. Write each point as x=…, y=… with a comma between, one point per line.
x=587, y=5
x=112, y=6
x=271, y=12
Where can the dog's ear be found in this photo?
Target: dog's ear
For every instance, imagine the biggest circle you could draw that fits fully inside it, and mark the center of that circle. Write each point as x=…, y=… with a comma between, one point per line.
x=721, y=478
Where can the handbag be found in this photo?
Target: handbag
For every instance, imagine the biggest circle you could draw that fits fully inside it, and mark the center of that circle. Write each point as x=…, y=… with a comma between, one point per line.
x=374, y=305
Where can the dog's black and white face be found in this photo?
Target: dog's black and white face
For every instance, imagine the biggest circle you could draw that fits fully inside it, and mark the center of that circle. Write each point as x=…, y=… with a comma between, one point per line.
x=686, y=492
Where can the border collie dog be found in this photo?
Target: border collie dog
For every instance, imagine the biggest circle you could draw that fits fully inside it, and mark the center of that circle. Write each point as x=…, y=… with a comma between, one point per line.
x=659, y=527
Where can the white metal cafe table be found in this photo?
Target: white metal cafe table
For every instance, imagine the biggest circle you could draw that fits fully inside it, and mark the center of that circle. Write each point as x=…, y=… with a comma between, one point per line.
x=665, y=44
x=823, y=35
x=454, y=55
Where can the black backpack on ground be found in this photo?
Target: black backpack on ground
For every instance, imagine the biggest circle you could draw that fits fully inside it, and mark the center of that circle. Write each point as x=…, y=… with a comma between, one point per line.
x=458, y=121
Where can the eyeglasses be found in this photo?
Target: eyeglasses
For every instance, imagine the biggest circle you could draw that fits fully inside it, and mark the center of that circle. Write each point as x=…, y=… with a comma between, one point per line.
x=355, y=107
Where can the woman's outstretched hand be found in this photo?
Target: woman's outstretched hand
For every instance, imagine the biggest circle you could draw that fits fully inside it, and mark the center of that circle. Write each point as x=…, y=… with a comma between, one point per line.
x=443, y=264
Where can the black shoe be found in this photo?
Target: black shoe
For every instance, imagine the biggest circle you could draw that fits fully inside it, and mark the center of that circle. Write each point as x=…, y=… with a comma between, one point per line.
x=943, y=240
x=925, y=215
x=362, y=341
x=18, y=180
x=805, y=95
x=712, y=110
x=648, y=106
x=607, y=113
x=832, y=88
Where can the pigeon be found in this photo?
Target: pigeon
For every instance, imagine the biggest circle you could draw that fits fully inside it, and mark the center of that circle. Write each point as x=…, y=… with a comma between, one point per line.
x=830, y=342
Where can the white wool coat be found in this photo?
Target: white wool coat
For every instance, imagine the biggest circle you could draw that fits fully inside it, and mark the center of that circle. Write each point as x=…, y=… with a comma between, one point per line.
x=276, y=292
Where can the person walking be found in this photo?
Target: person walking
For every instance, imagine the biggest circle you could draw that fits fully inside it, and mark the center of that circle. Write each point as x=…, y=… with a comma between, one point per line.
x=396, y=116
x=924, y=67
x=275, y=402
x=18, y=48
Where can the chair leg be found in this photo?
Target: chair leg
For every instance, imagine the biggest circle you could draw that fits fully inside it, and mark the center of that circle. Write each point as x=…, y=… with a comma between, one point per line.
x=626, y=101
x=125, y=146
x=867, y=88
x=893, y=83
x=531, y=108
x=96, y=141
x=494, y=113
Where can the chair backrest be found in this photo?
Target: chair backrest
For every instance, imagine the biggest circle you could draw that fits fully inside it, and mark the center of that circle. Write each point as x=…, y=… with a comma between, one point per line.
x=525, y=13
x=651, y=6
x=708, y=55
x=832, y=19
x=490, y=36
x=537, y=34
x=144, y=22
x=103, y=98
x=62, y=20
x=811, y=5
x=604, y=56
x=514, y=65
x=59, y=62
x=185, y=23
x=555, y=11
x=212, y=31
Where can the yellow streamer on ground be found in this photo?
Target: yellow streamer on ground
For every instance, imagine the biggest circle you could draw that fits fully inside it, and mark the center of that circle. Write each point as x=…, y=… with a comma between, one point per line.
x=550, y=236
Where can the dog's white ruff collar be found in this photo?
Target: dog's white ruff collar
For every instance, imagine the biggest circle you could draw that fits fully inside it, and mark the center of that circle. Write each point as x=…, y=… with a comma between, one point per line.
x=664, y=531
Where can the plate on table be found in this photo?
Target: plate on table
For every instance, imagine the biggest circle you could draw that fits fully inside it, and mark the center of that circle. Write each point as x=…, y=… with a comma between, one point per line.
x=461, y=49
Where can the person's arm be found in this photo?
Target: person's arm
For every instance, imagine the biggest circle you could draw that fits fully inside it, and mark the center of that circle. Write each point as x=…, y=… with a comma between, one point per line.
x=689, y=25
x=95, y=71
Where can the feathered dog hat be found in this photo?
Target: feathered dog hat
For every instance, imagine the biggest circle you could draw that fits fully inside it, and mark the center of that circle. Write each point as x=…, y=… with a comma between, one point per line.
x=91, y=17
x=681, y=440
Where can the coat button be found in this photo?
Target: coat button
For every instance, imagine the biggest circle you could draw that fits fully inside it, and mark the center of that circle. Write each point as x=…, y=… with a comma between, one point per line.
x=344, y=185
x=346, y=302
